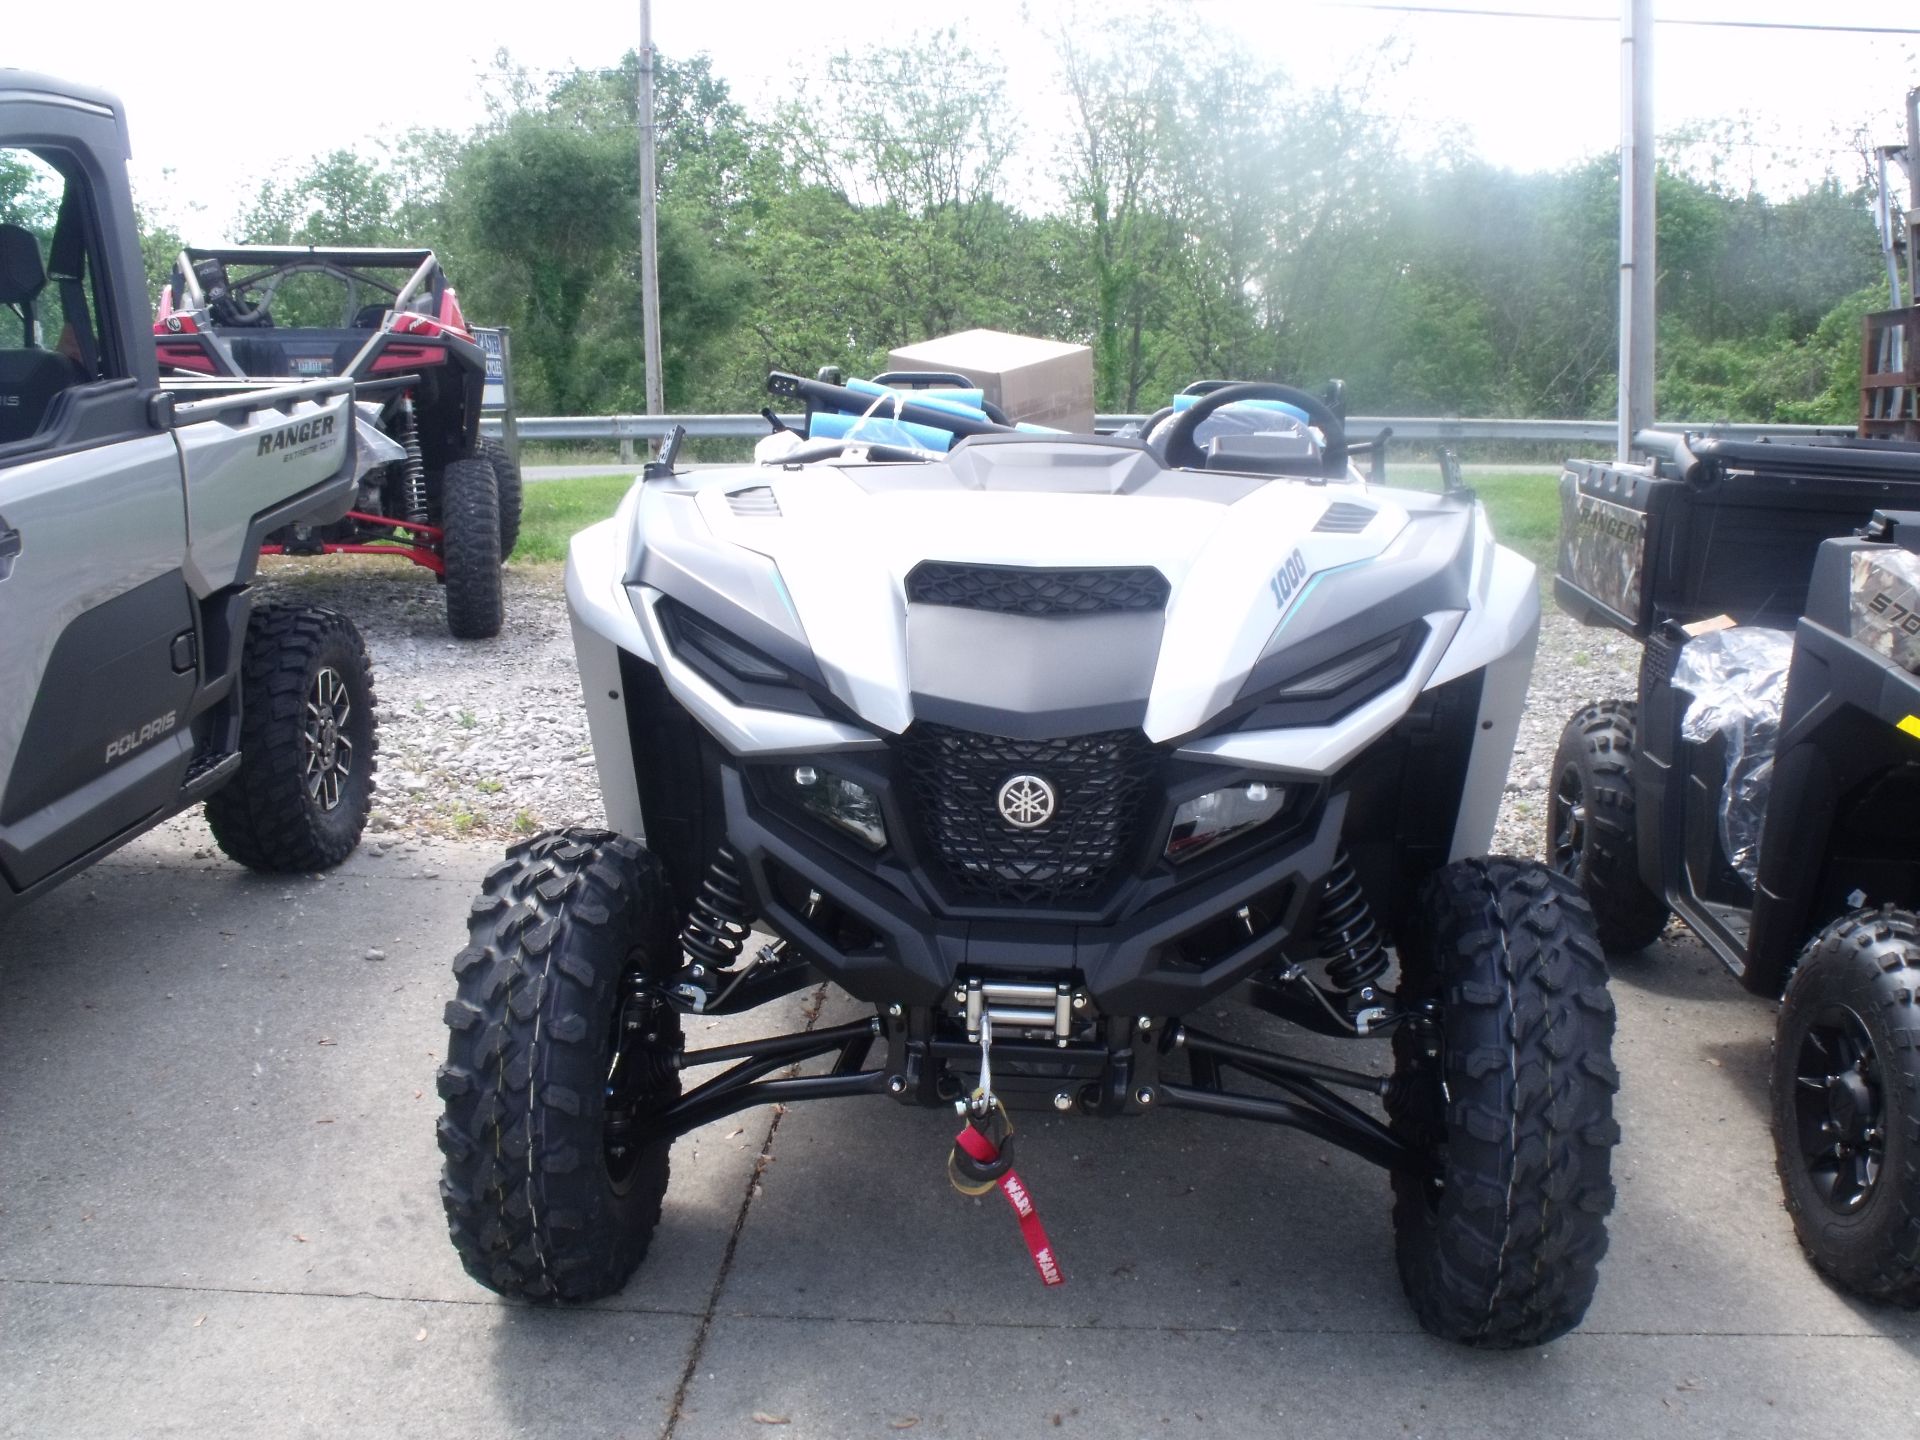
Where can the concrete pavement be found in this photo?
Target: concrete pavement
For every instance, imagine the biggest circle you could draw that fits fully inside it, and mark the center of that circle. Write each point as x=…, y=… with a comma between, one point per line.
x=218, y=1217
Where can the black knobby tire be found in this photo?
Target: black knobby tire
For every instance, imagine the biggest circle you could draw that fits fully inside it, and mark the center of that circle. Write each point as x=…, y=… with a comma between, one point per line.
x=506, y=479
x=1591, y=835
x=298, y=802
x=544, y=1200
x=1499, y=1242
x=470, y=548
x=1850, y=1014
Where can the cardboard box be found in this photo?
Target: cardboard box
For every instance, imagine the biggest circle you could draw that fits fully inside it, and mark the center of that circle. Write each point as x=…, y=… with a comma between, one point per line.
x=1044, y=382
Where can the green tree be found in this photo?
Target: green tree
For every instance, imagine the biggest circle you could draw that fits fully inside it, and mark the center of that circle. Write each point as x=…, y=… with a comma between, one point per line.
x=547, y=211
x=342, y=198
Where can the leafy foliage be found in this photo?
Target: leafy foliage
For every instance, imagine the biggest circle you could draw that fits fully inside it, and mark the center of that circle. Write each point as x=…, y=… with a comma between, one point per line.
x=1202, y=218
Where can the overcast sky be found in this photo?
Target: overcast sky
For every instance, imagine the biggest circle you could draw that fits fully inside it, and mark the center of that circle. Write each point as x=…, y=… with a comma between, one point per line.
x=220, y=96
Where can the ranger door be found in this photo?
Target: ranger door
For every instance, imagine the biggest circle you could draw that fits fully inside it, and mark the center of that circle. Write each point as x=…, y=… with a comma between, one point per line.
x=97, y=645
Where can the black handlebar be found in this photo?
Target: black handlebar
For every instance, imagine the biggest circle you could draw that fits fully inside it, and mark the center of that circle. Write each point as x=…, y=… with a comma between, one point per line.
x=1672, y=446
x=923, y=379
x=819, y=395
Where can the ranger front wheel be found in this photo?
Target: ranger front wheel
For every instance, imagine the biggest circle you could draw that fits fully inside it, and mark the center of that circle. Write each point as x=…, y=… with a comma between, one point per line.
x=304, y=789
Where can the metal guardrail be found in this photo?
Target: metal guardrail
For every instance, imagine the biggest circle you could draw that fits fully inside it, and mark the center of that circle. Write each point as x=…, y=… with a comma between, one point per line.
x=626, y=429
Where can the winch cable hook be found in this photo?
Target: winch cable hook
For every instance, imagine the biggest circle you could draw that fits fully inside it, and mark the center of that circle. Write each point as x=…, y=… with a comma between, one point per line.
x=982, y=1160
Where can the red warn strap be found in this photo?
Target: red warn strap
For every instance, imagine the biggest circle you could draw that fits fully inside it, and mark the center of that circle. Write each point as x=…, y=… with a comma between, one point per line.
x=983, y=1151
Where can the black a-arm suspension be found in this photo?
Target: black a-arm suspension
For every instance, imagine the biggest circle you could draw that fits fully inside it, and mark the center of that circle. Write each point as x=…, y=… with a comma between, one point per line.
x=1307, y=1100
x=744, y=1085
x=1310, y=1104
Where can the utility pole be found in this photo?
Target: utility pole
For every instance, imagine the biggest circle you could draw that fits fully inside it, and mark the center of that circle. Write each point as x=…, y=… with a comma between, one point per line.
x=1637, y=270
x=1891, y=240
x=649, y=228
x=1913, y=197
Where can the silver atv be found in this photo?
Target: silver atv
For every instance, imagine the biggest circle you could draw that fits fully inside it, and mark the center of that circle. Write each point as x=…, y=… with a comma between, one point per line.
x=1039, y=745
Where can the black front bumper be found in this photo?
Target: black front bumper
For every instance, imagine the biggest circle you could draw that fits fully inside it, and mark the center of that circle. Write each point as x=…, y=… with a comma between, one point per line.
x=907, y=952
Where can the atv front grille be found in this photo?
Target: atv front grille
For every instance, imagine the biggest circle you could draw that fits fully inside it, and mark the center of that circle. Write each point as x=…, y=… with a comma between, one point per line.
x=1012, y=590
x=1096, y=789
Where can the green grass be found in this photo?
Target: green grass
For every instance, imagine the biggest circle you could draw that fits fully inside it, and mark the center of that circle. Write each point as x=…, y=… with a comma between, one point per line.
x=1525, y=511
x=1524, y=507
x=556, y=510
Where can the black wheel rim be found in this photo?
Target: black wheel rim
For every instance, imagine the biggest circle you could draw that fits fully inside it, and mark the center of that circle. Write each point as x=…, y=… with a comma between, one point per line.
x=1569, y=823
x=639, y=1073
x=328, y=758
x=1839, y=1109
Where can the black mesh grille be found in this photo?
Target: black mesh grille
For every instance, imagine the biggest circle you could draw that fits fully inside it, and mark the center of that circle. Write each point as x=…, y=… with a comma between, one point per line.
x=1013, y=591
x=1343, y=517
x=1658, y=656
x=1101, y=784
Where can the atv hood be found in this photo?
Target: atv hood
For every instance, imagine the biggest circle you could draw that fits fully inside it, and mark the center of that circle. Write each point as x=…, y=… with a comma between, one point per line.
x=924, y=590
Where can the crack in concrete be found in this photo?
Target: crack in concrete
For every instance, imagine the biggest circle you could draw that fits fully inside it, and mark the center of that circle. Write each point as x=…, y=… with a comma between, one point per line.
x=712, y=1312
x=269, y=1292
x=678, y=1408
x=1331, y=1331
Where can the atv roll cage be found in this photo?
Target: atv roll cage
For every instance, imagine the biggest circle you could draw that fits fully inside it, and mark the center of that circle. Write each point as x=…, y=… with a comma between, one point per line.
x=411, y=352
x=271, y=264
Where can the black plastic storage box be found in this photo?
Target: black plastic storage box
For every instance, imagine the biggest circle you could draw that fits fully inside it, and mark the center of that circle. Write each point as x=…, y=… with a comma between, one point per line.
x=1717, y=527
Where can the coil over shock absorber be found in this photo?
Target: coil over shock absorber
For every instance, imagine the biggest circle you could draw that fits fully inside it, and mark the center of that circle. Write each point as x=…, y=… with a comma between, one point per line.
x=413, y=473
x=716, y=930
x=1345, y=934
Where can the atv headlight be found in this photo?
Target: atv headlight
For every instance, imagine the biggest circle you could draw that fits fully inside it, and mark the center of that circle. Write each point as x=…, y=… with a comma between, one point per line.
x=1330, y=689
x=736, y=657
x=1219, y=815
x=1348, y=669
x=739, y=671
x=847, y=805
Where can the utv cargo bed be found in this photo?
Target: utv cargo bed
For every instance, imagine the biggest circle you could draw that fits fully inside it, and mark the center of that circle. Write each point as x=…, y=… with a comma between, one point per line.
x=1715, y=527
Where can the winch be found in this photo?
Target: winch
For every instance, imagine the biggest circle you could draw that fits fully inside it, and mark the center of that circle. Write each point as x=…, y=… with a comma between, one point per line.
x=1035, y=1010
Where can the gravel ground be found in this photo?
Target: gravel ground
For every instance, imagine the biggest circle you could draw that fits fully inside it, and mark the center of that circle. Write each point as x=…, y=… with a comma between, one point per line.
x=488, y=739
x=1575, y=666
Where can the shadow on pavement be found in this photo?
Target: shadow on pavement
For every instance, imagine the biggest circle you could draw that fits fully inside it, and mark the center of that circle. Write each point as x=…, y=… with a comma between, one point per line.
x=210, y=1097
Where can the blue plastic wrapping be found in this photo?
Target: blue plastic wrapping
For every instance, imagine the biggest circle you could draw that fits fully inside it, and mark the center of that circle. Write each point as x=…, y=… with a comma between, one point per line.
x=1187, y=402
x=959, y=402
x=877, y=429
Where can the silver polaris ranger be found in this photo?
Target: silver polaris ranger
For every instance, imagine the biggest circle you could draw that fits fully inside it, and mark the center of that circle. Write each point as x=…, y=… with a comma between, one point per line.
x=1040, y=744
x=139, y=674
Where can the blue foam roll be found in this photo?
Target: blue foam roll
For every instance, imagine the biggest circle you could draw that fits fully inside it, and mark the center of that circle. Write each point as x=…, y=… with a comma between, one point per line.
x=957, y=402
x=877, y=430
